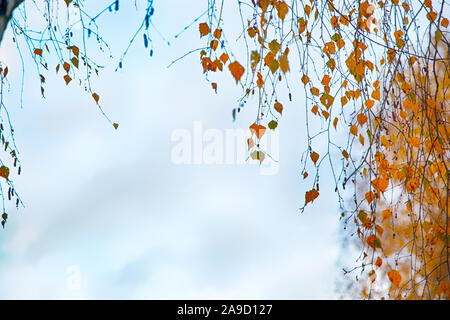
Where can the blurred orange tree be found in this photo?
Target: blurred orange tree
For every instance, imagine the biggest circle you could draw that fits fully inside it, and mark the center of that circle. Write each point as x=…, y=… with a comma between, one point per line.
x=378, y=72
x=376, y=80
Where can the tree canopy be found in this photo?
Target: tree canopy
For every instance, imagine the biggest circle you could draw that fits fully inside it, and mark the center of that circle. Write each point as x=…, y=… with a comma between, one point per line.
x=376, y=79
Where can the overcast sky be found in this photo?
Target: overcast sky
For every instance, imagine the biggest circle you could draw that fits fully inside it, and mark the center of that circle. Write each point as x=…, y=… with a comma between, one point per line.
x=112, y=207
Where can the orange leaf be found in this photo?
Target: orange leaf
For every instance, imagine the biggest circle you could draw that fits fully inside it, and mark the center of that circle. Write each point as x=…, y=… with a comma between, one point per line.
x=250, y=143
x=362, y=118
x=96, y=97
x=373, y=241
x=386, y=214
x=334, y=22
x=344, y=100
x=369, y=103
x=395, y=277
x=279, y=107
x=284, y=63
x=380, y=184
x=257, y=129
x=353, y=130
x=379, y=262
x=38, y=52
x=444, y=22
x=67, y=79
x=4, y=172
x=305, y=79
x=236, y=70
x=311, y=195
x=204, y=29
x=214, y=44
x=376, y=94
x=345, y=154
x=314, y=157
x=326, y=80
x=282, y=9
x=66, y=66
x=260, y=80
x=224, y=58
x=217, y=33
x=370, y=196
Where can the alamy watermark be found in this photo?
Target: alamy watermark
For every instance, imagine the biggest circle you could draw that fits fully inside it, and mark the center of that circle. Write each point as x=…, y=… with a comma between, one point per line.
x=73, y=280
x=212, y=146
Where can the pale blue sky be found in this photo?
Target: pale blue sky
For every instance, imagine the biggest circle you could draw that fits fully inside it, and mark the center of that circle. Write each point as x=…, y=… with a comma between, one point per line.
x=137, y=225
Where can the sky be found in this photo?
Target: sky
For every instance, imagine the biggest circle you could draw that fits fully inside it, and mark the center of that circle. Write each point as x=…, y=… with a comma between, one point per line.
x=109, y=214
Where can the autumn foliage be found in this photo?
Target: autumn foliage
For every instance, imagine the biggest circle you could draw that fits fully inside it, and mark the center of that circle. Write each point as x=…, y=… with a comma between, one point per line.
x=376, y=82
x=386, y=88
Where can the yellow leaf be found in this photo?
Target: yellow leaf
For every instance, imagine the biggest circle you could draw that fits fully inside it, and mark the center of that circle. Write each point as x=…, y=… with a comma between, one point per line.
x=398, y=34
